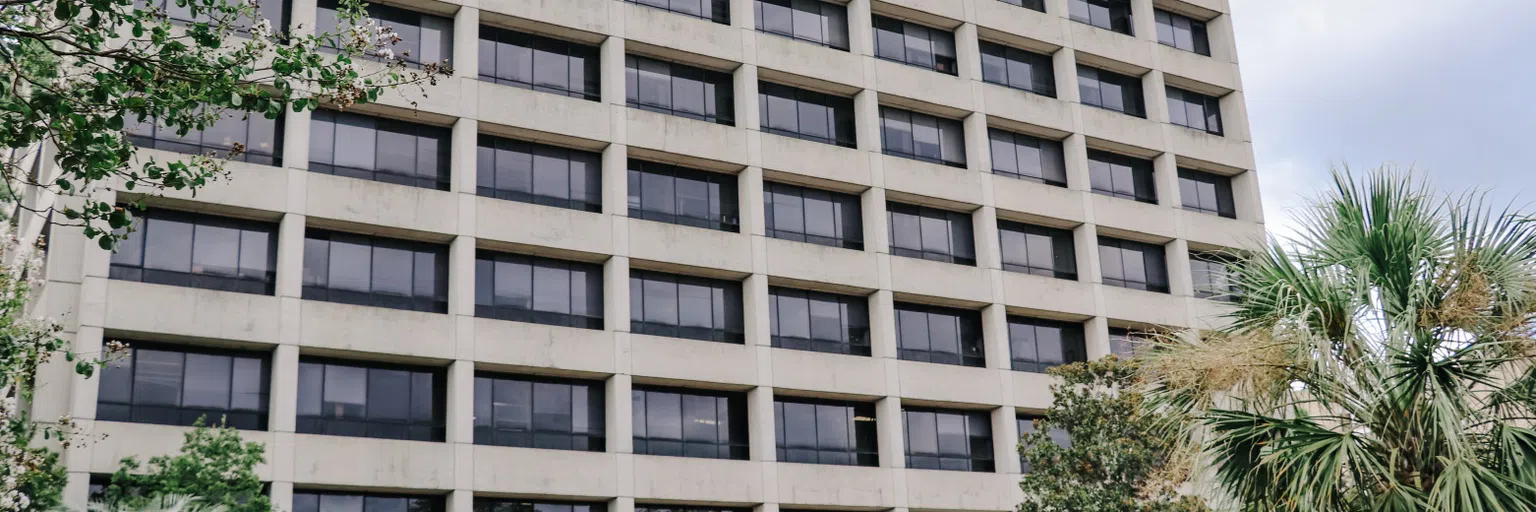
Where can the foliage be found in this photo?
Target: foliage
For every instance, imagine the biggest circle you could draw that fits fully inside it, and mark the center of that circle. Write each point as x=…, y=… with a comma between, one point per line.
x=74, y=73
x=1381, y=360
x=214, y=464
x=167, y=503
x=1122, y=456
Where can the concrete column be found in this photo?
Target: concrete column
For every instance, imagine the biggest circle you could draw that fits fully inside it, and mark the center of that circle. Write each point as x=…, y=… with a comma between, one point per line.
x=1005, y=439
x=1085, y=238
x=861, y=28
x=1234, y=117
x=1245, y=193
x=1180, y=283
x=754, y=292
x=283, y=405
x=611, y=56
x=617, y=405
x=1064, y=63
x=1074, y=149
x=994, y=330
x=760, y=430
x=1143, y=24
x=301, y=16
x=83, y=392
x=1096, y=335
x=892, y=442
x=745, y=86
x=616, y=294
x=281, y=494
x=741, y=14
x=460, y=500
x=750, y=183
x=866, y=112
x=466, y=42
x=882, y=324
x=464, y=152
x=461, y=402
x=1223, y=43
x=988, y=250
x=876, y=226
x=968, y=52
x=616, y=180
x=978, y=148
x=290, y=256
x=1165, y=173
x=296, y=133
x=1156, y=93
x=461, y=276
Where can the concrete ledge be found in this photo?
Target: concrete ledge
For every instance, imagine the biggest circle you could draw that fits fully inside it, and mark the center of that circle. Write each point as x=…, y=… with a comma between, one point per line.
x=1142, y=306
x=680, y=359
x=542, y=111
x=1121, y=128
x=835, y=486
x=946, y=8
x=931, y=180
x=530, y=471
x=1048, y=293
x=1019, y=21
x=381, y=204
x=943, y=280
x=822, y=264
x=691, y=137
x=346, y=327
x=1026, y=107
x=588, y=15
x=372, y=463
x=1032, y=390
x=961, y=490
x=815, y=160
x=828, y=373
x=950, y=383
x=247, y=185
x=542, y=226
x=1209, y=314
x=1198, y=67
x=697, y=480
x=1031, y=198
x=116, y=440
x=681, y=33
x=1109, y=44
x=504, y=342
x=673, y=243
x=181, y=311
x=1211, y=148
x=1128, y=215
x=811, y=60
x=1220, y=231
x=923, y=85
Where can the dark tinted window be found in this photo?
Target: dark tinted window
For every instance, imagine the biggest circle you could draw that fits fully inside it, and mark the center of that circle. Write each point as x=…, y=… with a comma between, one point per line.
x=198, y=251
x=173, y=385
x=1182, y=32
x=1019, y=69
x=1214, y=276
x=1037, y=344
x=931, y=234
x=679, y=195
x=274, y=10
x=679, y=90
x=379, y=149
x=1037, y=250
x=1133, y=265
x=424, y=38
x=1121, y=176
x=946, y=439
x=681, y=306
x=538, y=290
x=539, y=412
x=689, y=423
x=817, y=321
x=919, y=136
x=540, y=63
x=522, y=505
x=260, y=139
x=1206, y=193
x=812, y=215
x=1194, y=110
x=717, y=11
x=823, y=23
x=1111, y=91
x=1125, y=342
x=1106, y=14
x=1058, y=435
x=1038, y=5
x=313, y=501
x=681, y=508
x=1027, y=157
x=825, y=432
x=915, y=45
x=939, y=335
x=375, y=271
x=805, y=114
x=370, y=400
x=529, y=172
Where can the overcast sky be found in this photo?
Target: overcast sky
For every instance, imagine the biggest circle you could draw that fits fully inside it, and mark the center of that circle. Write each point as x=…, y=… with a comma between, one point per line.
x=1441, y=86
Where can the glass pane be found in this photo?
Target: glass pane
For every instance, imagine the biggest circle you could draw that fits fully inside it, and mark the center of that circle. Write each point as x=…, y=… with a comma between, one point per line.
x=168, y=245
x=207, y=382
x=157, y=379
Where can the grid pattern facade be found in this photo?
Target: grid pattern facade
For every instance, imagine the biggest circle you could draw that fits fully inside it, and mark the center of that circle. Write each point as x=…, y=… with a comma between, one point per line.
x=719, y=392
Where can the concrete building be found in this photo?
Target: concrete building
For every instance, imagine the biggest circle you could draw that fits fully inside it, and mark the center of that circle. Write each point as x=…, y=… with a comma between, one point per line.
x=641, y=254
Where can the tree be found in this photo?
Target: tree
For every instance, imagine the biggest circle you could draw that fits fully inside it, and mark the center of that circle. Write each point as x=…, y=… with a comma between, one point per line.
x=1380, y=360
x=1121, y=456
x=214, y=464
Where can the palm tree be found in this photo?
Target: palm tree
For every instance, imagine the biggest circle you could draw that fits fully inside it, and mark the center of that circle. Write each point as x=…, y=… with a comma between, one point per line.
x=164, y=503
x=1379, y=360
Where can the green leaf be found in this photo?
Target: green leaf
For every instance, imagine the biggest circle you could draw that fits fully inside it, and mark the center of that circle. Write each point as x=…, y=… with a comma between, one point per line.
x=235, y=99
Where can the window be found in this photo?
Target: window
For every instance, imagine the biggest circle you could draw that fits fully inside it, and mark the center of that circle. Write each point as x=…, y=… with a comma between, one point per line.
x=198, y=251
x=1194, y=110
x=521, y=505
x=941, y=335
x=931, y=234
x=919, y=136
x=679, y=195
x=539, y=412
x=260, y=138
x=275, y=11
x=424, y=38
x=1134, y=265
x=807, y=115
x=1206, y=193
x=1058, y=435
x=717, y=11
x=538, y=290
x=682, y=508
x=812, y=215
x=689, y=423
x=370, y=400
x=375, y=271
x=379, y=149
x=314, y=501
x=825, y=432
x=172, y=385
x=1125, y=342
x=543, y=64
x=529, y=172
x=681, y=306
x=820, y=322
x=1037, y=5
x=1037, y=250
x=1214, y=276
x=1112, y=15
x=946, y=439
x=813, y=21
x=1038, y=344
x=1182, y=32
x=1019, y=69
x=1027, y=157
x=915, y=45
x=679, y=90
x=1111, y=91
x=1121, y=176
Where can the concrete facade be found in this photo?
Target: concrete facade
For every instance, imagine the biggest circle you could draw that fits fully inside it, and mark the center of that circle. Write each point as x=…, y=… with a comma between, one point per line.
x=95, y=308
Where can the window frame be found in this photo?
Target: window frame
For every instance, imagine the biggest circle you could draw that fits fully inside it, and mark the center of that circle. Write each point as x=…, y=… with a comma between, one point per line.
x=1212, y=260
x=485, y=288
x=594, y=438
x=862, y=448
x=827, y=22
x=1033, y=5
x=437, y=303
x=724, y=94
x=434, y=503
x=435, y=428
x=731, y=311
x=951, y=219
x=1094, y=79
x=1149, y=280
x=1047, y=148
x=719, y=11
x=970, y=349
x=134, y=247
x=942, y=63
x=973, y=462
x=1082, y=11
x=390, y=15
x=491, y=504
x=889, y=126
x=1184, y=101
x=1200, y=38
x=147, y=133
x=1122, y=341
x=256, y=419
x=442, y=137
x=490, y=148
x=588, y=55
x=1074, y=344
x=857, y=336
x=840, y=113
x=728, y=203
x=736, y=446
x=1056, y=235
x=1038, y=63
x=847, y=237
x=1226, y=205
x=1142, y=172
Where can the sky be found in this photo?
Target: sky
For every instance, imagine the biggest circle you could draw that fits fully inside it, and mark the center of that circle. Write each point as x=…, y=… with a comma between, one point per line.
x=1440, y=86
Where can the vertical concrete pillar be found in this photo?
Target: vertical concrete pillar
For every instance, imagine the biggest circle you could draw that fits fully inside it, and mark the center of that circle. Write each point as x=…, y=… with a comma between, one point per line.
x=744, y=79
x=861, y=33
x=753, y=220
x=1085, y=238
x=611, y=60
x=83, y=392
x=1155, y=92
x=1223, y=43
x=301, y=16
x=876, y=226
x=283, y=403
x=1064, y=63
x=290, y=256
x=461, y=276
x=882, y=324
x=616, y=294
x=892, y=441
x=296, y=138
x=1165, y=172
x=1005, y=439
x=968, y=52
x=994, y=332
x=978, y=148
x=464, y=155
x=984, y=224
x=1245, y=193
x=1143, y=24
x=741, y=14
x=281, y=495
x=754, y=291
x=866, y=111
x=616, y=180
x=760, y=430
x=1179, y=282
x=460, y=500
x=466, y=42
x=461, y=402
x=1096, y=336
x=618, y=429
x=1074, y=149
